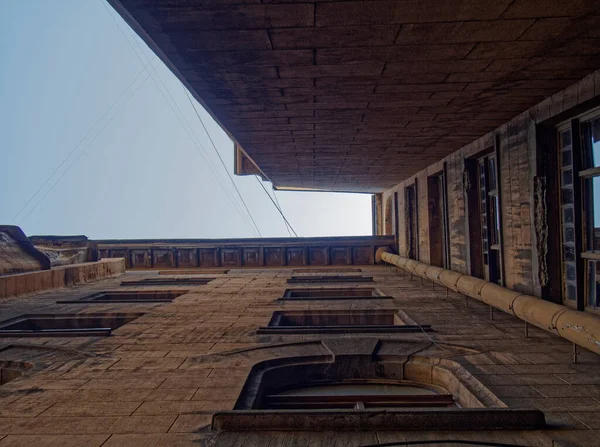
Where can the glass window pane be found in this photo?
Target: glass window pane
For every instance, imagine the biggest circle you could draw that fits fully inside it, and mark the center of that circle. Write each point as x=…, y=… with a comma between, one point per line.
x=569, y=253
x=567, y=159
x=594, y=210
x=591, y=197
x=568, y=217
x=568, y=234
x=494, y=220
x=595, y=142
x=570, y=272
x=592, y=284
x=566, y=195
x=492, y=173
x=567, y=177
x=565, y=138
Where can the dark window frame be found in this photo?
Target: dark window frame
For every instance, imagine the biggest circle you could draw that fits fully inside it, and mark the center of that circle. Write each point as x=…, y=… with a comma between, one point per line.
x=277, y=401
x=130, y=296
x=320, y=279
x=485, y=215
x=396, y=218
x=411, y=207
x=166, y=281
x=88, y=324
x=339, y=270
x=439, y=229
x=579, y=259
x=328, y=294
x=355, y=361
x=401, y=323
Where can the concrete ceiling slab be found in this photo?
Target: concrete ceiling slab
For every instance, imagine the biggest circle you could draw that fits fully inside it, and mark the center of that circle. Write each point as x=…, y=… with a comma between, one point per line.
x=360, y=95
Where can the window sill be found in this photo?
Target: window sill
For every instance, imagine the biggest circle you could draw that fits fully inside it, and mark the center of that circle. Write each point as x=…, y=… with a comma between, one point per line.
x=334, y=298
x=356, y=329
x=413, y=419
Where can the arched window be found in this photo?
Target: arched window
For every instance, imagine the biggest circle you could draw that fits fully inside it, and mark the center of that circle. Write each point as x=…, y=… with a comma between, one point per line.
x=361, y=383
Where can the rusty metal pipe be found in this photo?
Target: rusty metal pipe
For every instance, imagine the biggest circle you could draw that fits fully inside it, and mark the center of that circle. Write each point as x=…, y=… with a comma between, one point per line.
x=581, y=328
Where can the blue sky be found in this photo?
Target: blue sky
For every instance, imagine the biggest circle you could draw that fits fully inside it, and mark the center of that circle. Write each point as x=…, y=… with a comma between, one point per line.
x=73, y=90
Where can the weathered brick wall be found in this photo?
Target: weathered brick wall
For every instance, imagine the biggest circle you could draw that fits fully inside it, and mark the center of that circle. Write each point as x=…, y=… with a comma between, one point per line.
x=517, y=148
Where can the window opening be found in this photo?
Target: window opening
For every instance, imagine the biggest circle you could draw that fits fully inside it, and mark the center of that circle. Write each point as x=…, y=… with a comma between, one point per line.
x=412, y=221
x=324, y=271
x=359, y=395
x=489, y=212
x=129, y=296
x=438, y=221
x=579, y=176
x=340, y=322
x=333, y=294
x=65, y=325
x=329, y=278
x=178, y=281
x=194, y=272
x=485, y=234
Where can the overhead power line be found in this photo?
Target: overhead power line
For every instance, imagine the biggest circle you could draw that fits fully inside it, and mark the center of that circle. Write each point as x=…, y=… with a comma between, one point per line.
x=278, y=208
x=219, y=155
x=84, y=150
x=194, y=141
x=87, y=134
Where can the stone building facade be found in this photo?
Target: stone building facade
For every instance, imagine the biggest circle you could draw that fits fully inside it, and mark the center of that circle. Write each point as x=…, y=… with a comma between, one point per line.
x=199, y=354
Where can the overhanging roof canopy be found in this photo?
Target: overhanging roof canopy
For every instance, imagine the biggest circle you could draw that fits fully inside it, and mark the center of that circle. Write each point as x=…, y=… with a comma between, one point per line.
x=359, y=95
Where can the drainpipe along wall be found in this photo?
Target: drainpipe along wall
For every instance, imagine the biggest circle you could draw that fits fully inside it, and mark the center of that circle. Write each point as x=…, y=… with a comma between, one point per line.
x=578, y=327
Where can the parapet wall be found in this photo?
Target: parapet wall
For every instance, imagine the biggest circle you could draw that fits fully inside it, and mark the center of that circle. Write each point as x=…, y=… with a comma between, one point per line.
x=240, y=253
x=43, y=280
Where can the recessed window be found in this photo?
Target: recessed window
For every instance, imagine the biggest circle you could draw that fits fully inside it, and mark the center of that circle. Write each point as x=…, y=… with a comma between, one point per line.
x=65, y=325
x=194, y=272
x=579, y=198
x=335, y=271
x=412, y=221
x=329, y=278
x=180, y=281
x=297, y=322
x=129, y=296
x=333, y=294
x=359, y=395
x=367, y=384
x=439, y=238
x=485, y=232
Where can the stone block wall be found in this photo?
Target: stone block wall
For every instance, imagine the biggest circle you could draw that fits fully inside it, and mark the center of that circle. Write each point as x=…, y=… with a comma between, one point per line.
x=160, y=379
x=518, y=147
